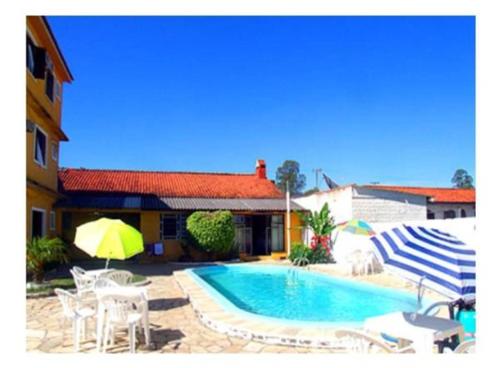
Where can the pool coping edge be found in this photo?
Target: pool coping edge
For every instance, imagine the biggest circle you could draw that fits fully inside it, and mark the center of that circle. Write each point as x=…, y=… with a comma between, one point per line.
x=224, y=321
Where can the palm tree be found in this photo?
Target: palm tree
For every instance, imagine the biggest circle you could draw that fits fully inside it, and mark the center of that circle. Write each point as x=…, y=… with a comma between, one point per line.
x=40, y=251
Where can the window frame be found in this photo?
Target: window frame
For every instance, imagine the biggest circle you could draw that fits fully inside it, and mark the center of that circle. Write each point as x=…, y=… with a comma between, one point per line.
x=47, y=71
x=44, y=220
x=180, y=225
x=162, y=235
x=57, y=89
x=52, y=145
x=30, y=42
x=52, y=220
x=37, y=129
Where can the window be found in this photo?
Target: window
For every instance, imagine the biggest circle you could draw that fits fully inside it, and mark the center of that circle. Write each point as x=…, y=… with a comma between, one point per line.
x=450, y=214
x=37, y=222
x=30, y=55
x=169, y=227
x=49, y=85
x=54, y=151
x=35, y=59
x=463, y=213
x=67, y=220
x=52, y=224
x=430, y=215
x=173, y=226
x=40, y=147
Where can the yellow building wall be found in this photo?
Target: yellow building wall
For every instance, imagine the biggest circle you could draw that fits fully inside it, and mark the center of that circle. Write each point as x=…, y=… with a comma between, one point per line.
x=46, y=176
x=36, y=30
x=40, y=200
x=46, y=114
x=150, y=229
x=295, y=235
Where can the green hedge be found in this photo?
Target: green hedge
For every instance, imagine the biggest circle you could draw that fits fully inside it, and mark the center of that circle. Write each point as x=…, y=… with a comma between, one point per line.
x=212, y=232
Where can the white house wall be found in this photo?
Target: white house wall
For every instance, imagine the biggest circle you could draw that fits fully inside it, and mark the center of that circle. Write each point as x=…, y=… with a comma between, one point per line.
x=339, y=202
x=439, y=208
x=374, y=205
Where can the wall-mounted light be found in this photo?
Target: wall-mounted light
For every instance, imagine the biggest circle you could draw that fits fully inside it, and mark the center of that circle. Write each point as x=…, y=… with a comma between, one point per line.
x=30, y=126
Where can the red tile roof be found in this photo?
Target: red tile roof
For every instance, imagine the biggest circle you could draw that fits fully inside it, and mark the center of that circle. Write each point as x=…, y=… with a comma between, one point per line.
x=441, y=195
x=168, y=184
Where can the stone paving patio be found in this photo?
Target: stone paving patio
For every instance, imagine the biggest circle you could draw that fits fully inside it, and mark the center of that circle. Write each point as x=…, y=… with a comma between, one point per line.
x=174, y=326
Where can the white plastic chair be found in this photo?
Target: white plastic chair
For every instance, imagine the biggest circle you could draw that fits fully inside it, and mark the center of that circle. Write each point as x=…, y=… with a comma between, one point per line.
x=121, y=277
x=369, y=263
x=79, y=270
x=121, y=312
x=84, y=288
x=104, y=282
x=361, y=342
x=73, y=312
x=84, y=284
x=356, y=262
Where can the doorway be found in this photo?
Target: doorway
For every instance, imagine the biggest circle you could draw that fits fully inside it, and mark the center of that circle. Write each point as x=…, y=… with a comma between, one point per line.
x=260, y=223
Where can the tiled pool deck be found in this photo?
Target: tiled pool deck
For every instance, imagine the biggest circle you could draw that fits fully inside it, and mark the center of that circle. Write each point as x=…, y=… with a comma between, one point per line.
x=188, y=325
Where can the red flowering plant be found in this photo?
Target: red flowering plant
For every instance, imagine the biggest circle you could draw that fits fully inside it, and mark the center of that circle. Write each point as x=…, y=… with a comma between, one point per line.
x=321, y=223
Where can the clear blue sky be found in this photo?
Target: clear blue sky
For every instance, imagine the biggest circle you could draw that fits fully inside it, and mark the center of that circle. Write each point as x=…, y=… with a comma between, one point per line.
x=386, y=99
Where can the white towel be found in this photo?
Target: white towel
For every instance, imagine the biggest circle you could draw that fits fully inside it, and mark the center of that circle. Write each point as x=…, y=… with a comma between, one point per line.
x=158, y=249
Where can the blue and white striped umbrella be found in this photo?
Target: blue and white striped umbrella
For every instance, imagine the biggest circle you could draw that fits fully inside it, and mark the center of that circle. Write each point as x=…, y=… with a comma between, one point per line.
x=449, y=265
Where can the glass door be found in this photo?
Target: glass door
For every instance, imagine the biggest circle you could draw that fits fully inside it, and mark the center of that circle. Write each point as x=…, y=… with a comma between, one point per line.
x=243, y=233
x=275, y=234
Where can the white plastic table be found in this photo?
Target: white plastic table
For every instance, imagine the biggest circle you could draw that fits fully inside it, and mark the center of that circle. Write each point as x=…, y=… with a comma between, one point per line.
x=99, y=272
x=422, y=330
x=138, y=294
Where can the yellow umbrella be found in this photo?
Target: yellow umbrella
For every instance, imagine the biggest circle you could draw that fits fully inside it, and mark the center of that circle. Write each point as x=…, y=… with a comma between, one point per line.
x=109, y=239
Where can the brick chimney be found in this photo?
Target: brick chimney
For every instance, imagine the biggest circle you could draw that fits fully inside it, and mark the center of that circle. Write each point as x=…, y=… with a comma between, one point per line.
x=260, y=169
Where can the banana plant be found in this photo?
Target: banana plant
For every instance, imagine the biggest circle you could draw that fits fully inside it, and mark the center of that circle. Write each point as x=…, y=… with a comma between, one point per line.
x=320, y=222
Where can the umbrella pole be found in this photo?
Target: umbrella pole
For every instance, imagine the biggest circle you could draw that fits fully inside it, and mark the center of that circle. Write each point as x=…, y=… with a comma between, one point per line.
x=107, y=263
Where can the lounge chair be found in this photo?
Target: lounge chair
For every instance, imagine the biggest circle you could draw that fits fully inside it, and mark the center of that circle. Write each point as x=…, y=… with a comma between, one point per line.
x=466, y=347
x=361, y=342
x=458, y=310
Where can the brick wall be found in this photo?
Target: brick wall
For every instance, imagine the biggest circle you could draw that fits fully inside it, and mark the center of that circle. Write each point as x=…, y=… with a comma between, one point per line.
x=374, y=205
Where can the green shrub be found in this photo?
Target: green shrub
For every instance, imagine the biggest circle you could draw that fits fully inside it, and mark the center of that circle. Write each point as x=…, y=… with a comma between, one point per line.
x=320, y=254
x=299, y=250
x=40, y=251
x=212, y=232
x=314, y=254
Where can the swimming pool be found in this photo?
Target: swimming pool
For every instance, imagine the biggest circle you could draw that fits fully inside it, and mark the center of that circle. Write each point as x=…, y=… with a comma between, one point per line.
x=297, y=296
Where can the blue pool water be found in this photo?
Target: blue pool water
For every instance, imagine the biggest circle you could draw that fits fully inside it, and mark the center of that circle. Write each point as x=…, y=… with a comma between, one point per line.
x=298, y=295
